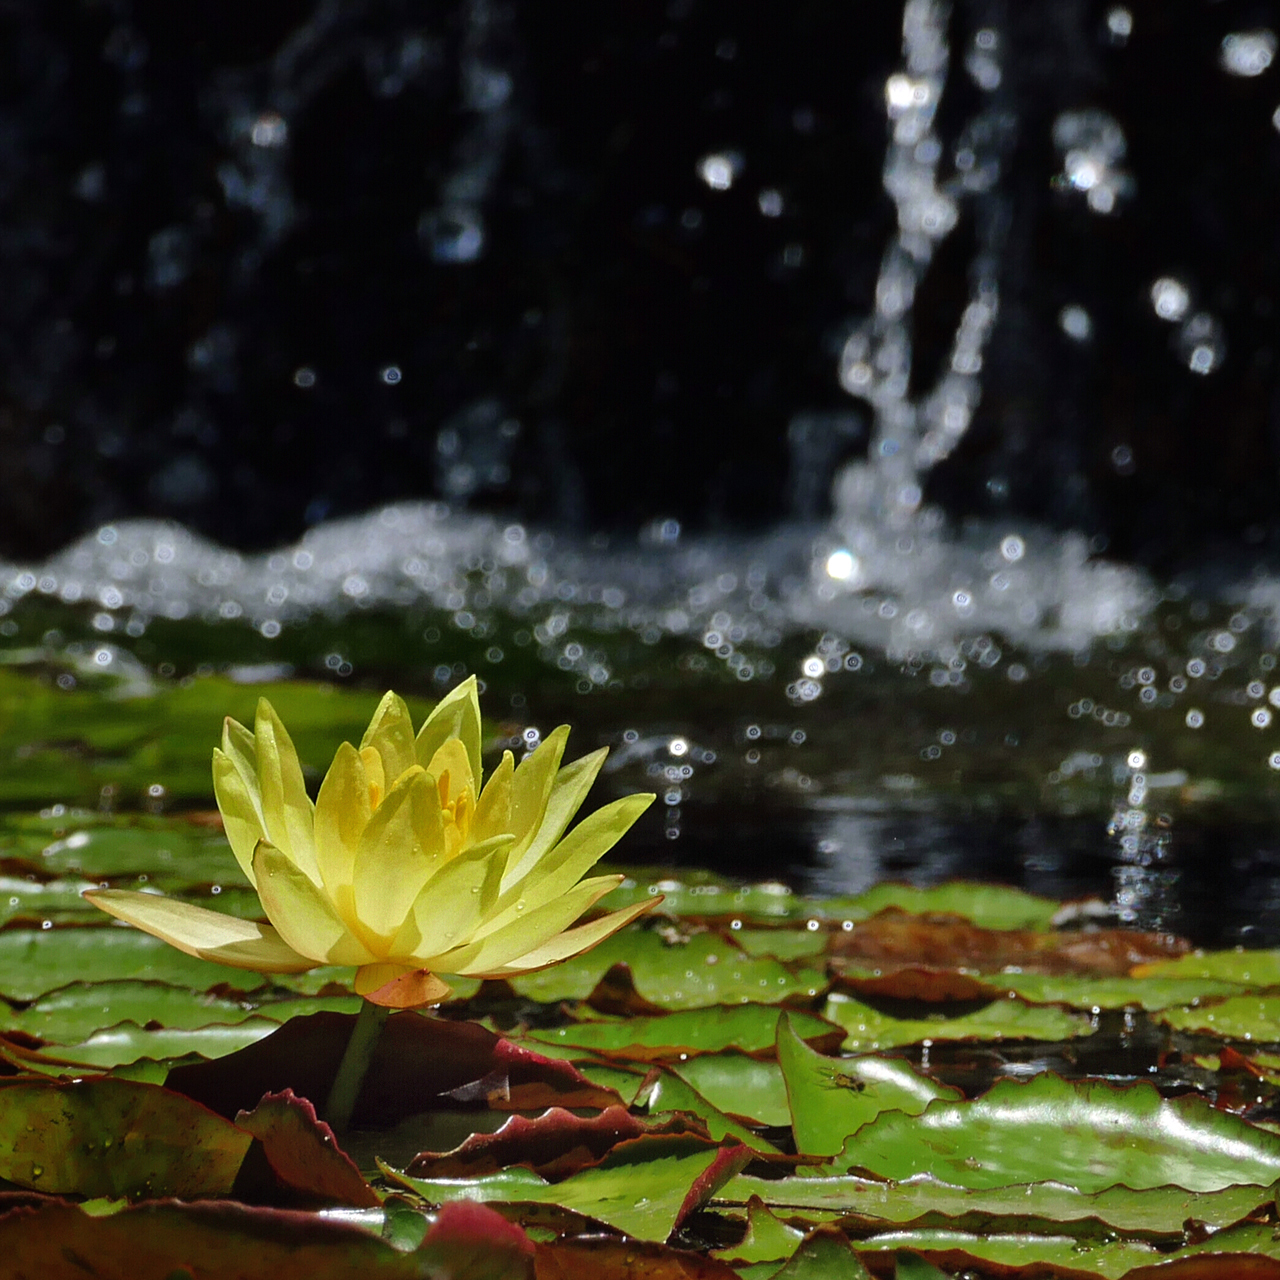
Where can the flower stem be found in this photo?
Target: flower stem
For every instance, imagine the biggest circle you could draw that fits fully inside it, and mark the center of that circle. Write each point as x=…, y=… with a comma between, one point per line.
x=354, y=1065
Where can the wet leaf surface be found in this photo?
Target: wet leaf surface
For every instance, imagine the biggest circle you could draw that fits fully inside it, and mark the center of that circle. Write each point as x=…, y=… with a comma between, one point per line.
x=304, y=1153
x=693, y=971
x=1160, y=1211
x=867, y=1028
x=1086, y=1133
x=1235, y=1018
x=737, y=1083
x=645, y=1188
x=114, y=1138
x=663, y=1090
x=750, y=1028
x=157, y=1240
x=831, y=1098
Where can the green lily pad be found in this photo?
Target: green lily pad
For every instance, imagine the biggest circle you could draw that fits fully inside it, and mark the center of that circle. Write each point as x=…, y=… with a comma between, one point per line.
x=1236, y=1018
x=33, y=961
x=1108, y=1259
x=1081, y=992
x=734, y=1082
x=645, y=1196
x=665, y=1091
x=704, y=970
x=128, y=1042
x=74, y=1012
x=911, y=1266
x=767, y=1238
x=1087, y=1133
x=831, y=1098
x=990, y=906
x=822, y=1254
x=1246, y=968
x=749, y=1027
x=782, y=944
x=114, y=1138
x=866, y=1028
x=56, y=900
x=1154, y=1211
x=177, y=851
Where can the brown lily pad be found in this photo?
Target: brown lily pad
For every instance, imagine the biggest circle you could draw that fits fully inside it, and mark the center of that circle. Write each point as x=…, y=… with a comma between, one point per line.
x=304, y=1153
x=615, y=994
x=554, y=1144
x=207, y=1240
x=419, y=1063
x=897, y=939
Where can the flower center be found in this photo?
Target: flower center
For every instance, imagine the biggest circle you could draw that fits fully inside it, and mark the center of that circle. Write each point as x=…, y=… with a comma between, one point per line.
x=457, y=812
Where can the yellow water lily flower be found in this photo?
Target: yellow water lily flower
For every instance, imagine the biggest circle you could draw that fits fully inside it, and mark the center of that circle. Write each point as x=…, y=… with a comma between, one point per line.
x=403, y=866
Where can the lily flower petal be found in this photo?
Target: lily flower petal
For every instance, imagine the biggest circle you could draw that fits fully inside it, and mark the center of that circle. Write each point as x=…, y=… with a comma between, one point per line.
x=241, y=812
x=572, y=941
x=390, y=733
x=343, y=811
x=568, y=790
x=403, y=989
x=302, y=913
x=398, y=851
x=531, y=929
x=405, y=866
x=493, y=808
x=530, y=790
x=456, y=898
x=571, y=859
x=210, y=935
x=287, y=810
x=456, y=715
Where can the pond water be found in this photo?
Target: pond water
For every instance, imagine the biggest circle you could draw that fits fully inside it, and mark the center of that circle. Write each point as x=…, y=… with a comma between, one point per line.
x=799, y=719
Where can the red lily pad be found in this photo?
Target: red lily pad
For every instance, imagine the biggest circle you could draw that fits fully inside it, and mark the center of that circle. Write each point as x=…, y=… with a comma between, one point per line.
x=554, y=1144
x=418, y=1063
x=105, y=1137
x=304, y=1153
x=209, y=1240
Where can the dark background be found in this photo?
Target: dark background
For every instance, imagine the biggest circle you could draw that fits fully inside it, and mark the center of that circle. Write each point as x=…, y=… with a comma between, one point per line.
x=225, y=229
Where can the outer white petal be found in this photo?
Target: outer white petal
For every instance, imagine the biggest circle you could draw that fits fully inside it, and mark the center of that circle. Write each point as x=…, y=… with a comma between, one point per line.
x=207, y=934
